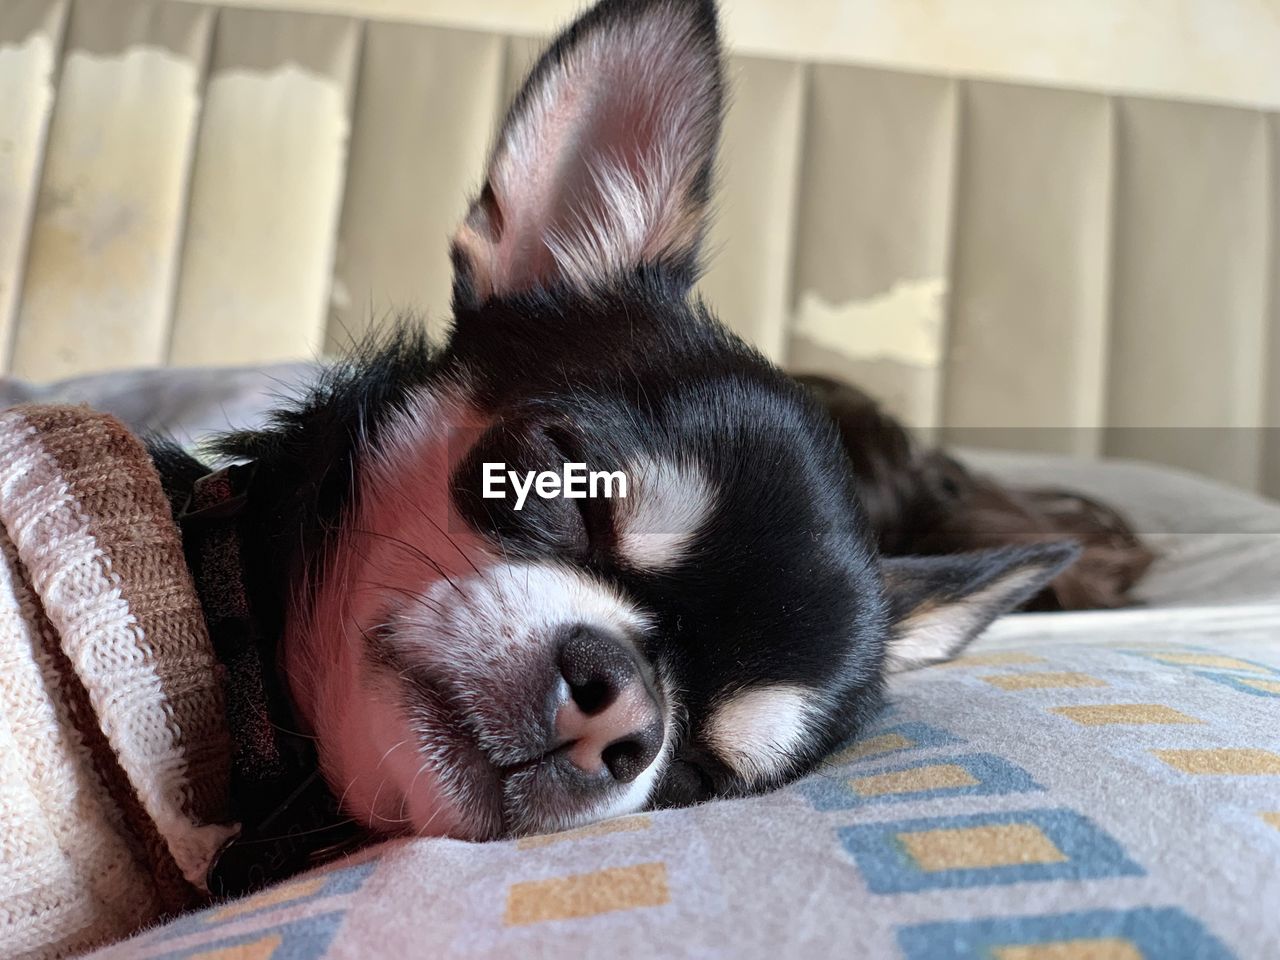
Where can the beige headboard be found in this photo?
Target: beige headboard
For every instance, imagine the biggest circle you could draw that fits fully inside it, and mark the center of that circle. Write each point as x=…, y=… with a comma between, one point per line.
x=1015, y=264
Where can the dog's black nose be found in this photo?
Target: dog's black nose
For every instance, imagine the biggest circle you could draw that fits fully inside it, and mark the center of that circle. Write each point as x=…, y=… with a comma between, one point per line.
x=607, y=721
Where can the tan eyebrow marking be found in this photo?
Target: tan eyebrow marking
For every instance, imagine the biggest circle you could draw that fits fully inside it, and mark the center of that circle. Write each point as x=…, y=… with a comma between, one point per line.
x=666, y=506
x=757, y=730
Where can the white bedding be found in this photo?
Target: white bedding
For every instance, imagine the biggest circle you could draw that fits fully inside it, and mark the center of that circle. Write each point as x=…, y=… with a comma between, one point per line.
x=1217, y=544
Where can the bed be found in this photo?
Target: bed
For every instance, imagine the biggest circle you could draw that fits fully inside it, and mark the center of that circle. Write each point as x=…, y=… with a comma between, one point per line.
x=1093, y=785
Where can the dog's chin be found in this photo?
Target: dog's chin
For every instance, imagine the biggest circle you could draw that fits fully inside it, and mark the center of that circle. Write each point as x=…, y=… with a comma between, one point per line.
x=418, y=776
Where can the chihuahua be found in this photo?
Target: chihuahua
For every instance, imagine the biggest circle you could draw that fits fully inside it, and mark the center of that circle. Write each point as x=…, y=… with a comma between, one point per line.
x=469, y=662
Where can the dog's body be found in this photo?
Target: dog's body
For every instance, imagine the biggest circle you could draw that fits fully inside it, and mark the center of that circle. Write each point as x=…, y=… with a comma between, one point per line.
x=471, y=669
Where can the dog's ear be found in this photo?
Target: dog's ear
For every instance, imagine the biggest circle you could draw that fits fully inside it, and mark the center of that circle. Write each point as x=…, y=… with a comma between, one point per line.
x=938, y=604
x=605, y=159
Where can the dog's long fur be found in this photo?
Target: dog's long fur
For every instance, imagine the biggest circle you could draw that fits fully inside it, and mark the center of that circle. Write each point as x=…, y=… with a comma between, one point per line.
x=921, y=501
x=718, y=631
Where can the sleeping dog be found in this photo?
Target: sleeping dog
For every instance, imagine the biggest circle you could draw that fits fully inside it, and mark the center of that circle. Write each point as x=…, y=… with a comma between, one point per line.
x=450, y=655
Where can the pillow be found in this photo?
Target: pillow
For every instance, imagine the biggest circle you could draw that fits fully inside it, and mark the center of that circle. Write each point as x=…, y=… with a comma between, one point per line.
x=1217, y=544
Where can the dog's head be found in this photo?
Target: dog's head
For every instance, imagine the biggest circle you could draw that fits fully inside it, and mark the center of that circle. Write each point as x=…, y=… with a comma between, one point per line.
x=474, y=669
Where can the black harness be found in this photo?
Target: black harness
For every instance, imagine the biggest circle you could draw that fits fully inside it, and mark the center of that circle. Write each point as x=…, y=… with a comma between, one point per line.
x=289, y=817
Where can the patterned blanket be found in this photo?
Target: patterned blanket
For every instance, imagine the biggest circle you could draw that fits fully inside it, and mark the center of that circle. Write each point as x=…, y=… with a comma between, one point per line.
x=1082, y=787
x=114, y=760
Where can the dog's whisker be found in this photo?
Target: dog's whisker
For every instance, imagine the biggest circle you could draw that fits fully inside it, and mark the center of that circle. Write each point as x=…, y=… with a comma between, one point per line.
x=305, y=833
x=417, y=597
x=343, y=799
x=373, y=805
x=418, y=553
x=444, y=533
x=295, y=733
x=412, y=783
x=394, y=746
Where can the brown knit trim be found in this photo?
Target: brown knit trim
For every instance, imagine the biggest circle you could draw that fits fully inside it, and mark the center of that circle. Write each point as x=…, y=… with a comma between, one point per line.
x=172, y=891
x=61, y=431
x=107, y=561
x=107, y=867
x=112, y=477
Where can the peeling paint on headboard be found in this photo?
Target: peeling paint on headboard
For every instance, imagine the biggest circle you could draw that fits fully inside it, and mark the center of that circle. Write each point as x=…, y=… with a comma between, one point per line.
x=182, y=183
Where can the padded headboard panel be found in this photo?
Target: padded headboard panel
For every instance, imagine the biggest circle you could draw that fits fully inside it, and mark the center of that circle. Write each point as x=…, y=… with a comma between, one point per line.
x=1016, y=265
